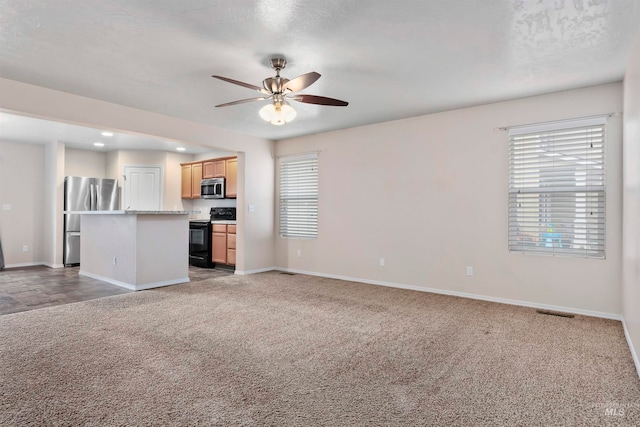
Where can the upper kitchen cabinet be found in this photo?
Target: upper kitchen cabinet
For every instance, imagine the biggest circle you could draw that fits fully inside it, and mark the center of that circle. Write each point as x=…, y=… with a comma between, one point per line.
x=213, y=169
x=191, y=177
x=194, y=172
x=186, y=181
x=231, y=176
x=196, y=177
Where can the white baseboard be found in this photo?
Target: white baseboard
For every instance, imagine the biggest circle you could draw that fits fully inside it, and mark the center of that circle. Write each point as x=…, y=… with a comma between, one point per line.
x=572, y=310
x=258, y=270
x=23, y=264
x=133, y=287
x=634, y=355
x=162, y=284
x=53, y=265
x=34, y=264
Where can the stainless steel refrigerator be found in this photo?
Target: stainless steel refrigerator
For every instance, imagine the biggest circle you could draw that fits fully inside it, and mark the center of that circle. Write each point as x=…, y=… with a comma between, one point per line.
x=84, y=194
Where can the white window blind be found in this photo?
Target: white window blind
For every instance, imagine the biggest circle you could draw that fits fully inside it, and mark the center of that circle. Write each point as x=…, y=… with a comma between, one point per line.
x=557, y=189
x=299, y=196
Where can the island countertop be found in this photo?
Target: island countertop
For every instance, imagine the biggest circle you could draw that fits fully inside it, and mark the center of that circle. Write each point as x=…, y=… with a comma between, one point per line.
x=129, y=212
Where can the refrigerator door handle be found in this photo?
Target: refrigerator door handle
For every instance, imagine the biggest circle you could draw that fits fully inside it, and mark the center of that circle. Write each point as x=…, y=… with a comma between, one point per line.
x=92, y=198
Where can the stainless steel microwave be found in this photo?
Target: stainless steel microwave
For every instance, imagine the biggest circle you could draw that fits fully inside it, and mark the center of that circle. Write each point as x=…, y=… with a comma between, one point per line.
x=212, y=188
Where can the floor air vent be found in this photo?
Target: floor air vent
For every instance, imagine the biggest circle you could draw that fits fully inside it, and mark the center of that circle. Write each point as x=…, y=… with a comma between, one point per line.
x=555, y=313
x=288, y=273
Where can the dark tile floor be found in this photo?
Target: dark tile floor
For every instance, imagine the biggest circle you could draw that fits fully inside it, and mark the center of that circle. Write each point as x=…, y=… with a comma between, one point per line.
x=28, y=288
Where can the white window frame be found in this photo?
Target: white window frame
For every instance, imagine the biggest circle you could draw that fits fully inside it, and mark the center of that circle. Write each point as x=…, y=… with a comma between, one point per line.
x=298, y=196
x=557, y=191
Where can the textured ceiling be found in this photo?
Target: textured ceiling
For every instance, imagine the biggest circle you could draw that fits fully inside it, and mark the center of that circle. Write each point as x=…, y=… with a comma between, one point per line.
x=389, y=59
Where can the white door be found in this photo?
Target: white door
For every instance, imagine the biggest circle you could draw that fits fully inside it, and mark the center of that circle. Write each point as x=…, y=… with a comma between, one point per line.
x=142, y=188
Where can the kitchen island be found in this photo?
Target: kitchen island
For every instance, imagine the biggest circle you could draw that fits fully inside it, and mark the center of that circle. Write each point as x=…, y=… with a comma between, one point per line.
x=135, y=249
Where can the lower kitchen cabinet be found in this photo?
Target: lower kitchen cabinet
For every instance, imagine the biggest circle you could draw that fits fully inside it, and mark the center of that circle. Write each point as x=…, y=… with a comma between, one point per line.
x=219, y=243
x=223, y=244
x=231, y=244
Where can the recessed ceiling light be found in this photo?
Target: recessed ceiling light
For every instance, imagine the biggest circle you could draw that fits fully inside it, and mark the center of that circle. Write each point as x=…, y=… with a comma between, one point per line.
x=98, y=144
x=105, y=133
x=180, y=148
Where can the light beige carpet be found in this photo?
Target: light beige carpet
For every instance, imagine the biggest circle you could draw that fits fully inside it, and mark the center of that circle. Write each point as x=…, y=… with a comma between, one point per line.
x=278, y=350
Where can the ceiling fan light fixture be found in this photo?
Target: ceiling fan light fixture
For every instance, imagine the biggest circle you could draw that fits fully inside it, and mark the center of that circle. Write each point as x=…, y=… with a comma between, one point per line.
x=288, y=113
x=267, y=112
x=278, y=113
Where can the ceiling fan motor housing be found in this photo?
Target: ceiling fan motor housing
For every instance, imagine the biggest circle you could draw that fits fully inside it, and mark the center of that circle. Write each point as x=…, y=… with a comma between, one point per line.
x=278, y=63
x=275, y=84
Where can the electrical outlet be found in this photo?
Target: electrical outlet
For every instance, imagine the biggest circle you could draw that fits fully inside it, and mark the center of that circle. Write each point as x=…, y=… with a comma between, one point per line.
x=299, y=253
x=115, y=260
x=381, y=262
x=25, y=248
x=6, y=207
x=469, y=271
x=251, y=208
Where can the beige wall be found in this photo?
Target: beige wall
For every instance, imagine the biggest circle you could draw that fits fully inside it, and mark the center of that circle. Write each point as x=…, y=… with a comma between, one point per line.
x=631, y=213
x=22, y=171
x=255, y=236
x=173, y=182
x=260, y=176
x=429, y=195
x=213, y=155
x=85, y=163
x=53, y=204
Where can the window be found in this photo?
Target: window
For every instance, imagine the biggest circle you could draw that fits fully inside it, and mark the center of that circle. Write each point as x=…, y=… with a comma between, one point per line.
x=557, y=189
x=299, y=196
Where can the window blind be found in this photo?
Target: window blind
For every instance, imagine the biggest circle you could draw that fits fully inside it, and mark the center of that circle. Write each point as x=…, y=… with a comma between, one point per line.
x=557, y=189
x=299, y=196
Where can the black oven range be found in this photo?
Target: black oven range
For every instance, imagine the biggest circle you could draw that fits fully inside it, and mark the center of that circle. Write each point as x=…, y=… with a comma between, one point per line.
x=200, y=236
x=200, y=243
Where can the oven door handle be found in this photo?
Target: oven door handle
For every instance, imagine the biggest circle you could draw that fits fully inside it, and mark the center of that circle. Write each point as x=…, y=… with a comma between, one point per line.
x=200, y=226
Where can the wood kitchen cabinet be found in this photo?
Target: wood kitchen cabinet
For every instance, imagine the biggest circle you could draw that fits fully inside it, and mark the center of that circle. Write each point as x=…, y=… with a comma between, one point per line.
x=207, y=170
x=223, y=244
x=196, y=177
x=231, y=244
x=213, y=169
x=219, y=243
x=186, y=181
x=191, y=177
x=194, y=172
x=231, y=178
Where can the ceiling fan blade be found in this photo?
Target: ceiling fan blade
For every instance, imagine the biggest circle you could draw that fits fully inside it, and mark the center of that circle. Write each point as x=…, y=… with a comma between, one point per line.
x=301, y=82
x=320, y=100
x=243, y=84
x=242, y=101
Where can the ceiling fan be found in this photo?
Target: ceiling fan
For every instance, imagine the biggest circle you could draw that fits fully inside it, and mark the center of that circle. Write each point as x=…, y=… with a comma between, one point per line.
x=279, y=90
